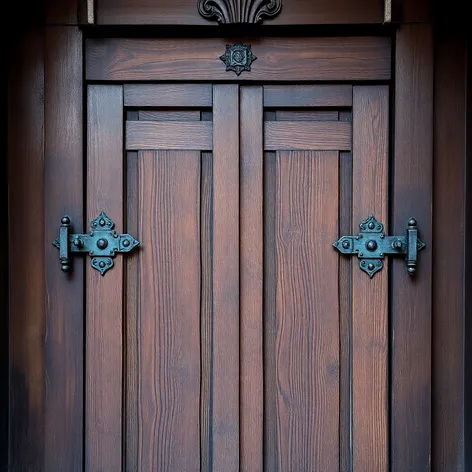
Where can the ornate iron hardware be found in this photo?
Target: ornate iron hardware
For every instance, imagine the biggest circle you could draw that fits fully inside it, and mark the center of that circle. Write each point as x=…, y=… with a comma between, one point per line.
x=371, y=245
x=238, y=57
x=239, y=11
x=102, y=243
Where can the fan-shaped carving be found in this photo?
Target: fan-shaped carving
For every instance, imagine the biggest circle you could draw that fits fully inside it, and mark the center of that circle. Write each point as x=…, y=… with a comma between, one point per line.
x=239, y=11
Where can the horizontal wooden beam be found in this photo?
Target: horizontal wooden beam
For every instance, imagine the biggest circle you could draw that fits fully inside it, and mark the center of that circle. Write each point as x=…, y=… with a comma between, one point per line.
x=278, y=59
x=307, y=135
x=177, y=135
x=168, y=95
x=280, y=96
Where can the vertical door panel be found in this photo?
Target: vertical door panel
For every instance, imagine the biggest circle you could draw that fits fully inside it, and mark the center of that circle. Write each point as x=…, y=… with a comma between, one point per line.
x=307, y=312
x=370, y=296
x=164, y=342
x=104, y=304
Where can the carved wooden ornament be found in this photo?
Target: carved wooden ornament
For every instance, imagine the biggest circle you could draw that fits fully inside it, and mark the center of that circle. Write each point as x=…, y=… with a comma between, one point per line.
x=239, y=11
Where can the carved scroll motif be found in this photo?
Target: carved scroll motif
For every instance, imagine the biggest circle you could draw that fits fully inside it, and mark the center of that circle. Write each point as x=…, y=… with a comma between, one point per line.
x=239, y=11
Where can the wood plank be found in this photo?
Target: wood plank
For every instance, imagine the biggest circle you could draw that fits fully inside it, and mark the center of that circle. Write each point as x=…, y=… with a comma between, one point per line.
x=225, y=421
x=171, y=135
x=184, y=12
x=104, y=303
x=292, y=96
x=166, y=115
x=278, y=59
x=27, y=303
x=370, y=296
x=314, y=135
x=64, y=196
x=167, y=315
x=206, y=326
x=449, y=305
x=168, y=95
x=251, y=279
x=345, y=314
x=307, y=311
x=306, y=115
x=411, y=298
x=270, y=449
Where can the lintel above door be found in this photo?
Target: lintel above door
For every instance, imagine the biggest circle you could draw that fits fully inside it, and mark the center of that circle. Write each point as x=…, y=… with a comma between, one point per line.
x=359, y=58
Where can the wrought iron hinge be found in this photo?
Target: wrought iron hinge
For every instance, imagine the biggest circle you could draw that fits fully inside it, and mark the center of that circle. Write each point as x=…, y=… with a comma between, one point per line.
x=371, y=245
x=102, y=243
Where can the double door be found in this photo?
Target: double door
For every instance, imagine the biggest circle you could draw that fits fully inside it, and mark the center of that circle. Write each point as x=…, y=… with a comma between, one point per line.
x=236, y=337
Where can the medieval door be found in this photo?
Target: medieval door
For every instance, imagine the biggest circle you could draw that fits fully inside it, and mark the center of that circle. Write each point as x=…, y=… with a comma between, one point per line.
x=235, y=337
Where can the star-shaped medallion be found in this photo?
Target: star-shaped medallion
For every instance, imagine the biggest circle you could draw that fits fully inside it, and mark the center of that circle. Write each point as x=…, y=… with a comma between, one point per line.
x=238, y=57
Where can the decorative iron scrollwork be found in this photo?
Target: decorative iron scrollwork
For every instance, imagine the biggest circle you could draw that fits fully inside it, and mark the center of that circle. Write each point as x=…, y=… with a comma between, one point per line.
x=238, y=57
x=239, y=11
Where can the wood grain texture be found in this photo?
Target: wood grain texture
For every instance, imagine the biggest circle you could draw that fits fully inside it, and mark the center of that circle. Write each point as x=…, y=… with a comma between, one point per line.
x=104, y=302
x=27, y=287
x=168, y=95
x=307, y=312
x=206, y=325
x=307, y=135
x=270, y=318
x=225, y=400
x=370, y=296
x=166, y=115
x=345, y=314
x=278, y=59
x=448, y=401
x=306, y=115
x=279, y=96
x=167, y=313
x=64, y=196
x=171, y=135
x=411, y=297
x=184, y=12
x=251, y=279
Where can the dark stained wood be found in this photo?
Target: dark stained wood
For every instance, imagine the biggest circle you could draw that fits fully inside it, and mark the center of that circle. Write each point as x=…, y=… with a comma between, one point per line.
x=197, y=135
x=169, y=115
x=206, y=325
x=314, y=135
x=411, y=297
x=131, y=372
x=370, y=296
x=306, y=115
x=420, y=11
x=167, y=315
x=184, y=12
x=168, y=95
x=225, y=420
x=450, y=89
x=251, y=279
x=307, y=311
x=278, y=59
x=345, y=314
x=270, y=318
x=64, y=343
x=28, y=296
x=345, y=307
x=104, y=301
x=279, y=96
x=61, y=12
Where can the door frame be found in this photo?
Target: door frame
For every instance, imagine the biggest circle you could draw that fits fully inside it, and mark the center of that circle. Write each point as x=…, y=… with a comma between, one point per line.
x=45, y=353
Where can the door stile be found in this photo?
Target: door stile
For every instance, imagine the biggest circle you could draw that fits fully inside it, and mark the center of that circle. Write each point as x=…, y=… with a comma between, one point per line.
x=225, y=399
x=104, y=302
x=251, y=297
x=370, y=296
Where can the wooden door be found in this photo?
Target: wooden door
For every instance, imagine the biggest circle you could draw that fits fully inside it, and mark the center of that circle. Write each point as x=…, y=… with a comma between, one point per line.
x=236, y=338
